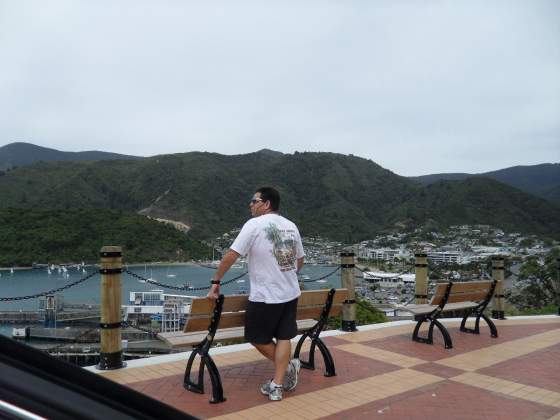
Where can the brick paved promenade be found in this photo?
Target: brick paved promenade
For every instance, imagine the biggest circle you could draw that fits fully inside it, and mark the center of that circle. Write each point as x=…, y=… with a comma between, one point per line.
x=383, y=374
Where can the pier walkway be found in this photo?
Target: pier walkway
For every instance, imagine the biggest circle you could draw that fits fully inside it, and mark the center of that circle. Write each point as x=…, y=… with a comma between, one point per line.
x=382, y=374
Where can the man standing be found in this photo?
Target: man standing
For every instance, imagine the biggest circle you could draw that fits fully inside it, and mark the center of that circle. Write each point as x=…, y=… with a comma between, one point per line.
x=274, y=252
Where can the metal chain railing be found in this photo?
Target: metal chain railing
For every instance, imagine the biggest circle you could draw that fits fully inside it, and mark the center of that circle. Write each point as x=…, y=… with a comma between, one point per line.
x=188, y=288
x=322, y=277
x=50, y=292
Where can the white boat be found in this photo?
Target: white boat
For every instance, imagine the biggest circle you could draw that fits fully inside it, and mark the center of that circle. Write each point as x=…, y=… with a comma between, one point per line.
x=240, y=281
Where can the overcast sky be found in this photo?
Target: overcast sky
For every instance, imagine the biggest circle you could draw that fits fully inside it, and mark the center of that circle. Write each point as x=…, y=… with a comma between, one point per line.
x=417, y=86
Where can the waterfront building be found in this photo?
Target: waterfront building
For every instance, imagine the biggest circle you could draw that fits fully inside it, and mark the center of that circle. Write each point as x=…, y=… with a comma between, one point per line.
x=148, y=305
x=438, y=257
x=384, y=279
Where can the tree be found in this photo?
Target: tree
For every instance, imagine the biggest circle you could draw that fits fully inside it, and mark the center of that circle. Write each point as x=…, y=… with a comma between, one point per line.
x=539, y=282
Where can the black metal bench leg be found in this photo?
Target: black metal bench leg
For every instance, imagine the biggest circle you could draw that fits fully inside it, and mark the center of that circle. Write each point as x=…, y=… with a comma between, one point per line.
x=493, y=329
x=430, y=338
x=310, y=363
x=416, y=336
x=444, y=333
x=329, y=362
x=476, y=329
x=206, y=360
x=217, y=390
x=313, y=334
x=215, y=379
x=197, y=387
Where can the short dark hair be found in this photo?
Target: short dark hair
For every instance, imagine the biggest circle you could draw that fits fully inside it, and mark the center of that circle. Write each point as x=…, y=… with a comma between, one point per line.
x=272, y=195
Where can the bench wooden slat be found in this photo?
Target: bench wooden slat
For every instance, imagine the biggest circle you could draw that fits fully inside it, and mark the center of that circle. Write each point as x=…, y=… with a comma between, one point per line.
x=203, y=305
x=228, y=320
x=473, y=291
x=461, y=297
x=471, y=286
x=237, y=319
x=439, y=293
x=426, y=308
x=231, y=325
x=315, y=311
x=234, y=303
x=178, y=339
x=318, y=297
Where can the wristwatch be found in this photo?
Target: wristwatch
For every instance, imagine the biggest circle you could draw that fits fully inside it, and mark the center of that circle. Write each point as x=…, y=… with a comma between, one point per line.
x=212, y=281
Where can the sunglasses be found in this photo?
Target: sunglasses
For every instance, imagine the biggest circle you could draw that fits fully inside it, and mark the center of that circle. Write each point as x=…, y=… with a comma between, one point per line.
x=256, y=200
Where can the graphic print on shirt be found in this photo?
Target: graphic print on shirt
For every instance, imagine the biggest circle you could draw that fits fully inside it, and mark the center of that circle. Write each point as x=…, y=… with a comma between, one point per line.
x=283, y=246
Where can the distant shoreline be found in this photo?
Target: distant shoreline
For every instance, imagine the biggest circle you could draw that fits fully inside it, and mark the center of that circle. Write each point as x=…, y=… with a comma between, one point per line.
x=184, y=263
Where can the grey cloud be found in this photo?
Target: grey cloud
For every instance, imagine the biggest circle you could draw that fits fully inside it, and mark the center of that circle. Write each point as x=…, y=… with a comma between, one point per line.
x=454, y=82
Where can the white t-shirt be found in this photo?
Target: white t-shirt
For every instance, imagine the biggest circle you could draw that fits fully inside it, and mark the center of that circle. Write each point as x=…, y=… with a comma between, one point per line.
x=272, y=244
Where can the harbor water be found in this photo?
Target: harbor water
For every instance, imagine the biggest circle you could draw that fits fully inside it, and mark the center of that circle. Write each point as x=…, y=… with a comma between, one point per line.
x=26, y=282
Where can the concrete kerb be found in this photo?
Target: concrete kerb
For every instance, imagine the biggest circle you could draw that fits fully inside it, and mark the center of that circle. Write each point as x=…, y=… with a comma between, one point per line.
x=176, y=357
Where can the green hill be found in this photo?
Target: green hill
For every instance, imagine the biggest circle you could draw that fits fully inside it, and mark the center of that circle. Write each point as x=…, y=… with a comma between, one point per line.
x=21, y=154
x=481, y=201
x=341, y=197
x=542, y=180
x=57, y=236
x=210, y=192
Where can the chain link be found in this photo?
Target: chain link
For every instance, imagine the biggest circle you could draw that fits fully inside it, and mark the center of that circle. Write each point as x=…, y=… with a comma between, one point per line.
x=188, y=288
x=50, y=292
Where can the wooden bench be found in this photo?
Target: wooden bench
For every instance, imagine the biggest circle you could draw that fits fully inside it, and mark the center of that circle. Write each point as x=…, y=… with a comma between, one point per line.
x=227, y=314
x=470, y=297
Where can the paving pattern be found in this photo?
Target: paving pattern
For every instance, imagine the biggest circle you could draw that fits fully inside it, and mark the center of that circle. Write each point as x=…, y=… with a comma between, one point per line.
x=383, y=374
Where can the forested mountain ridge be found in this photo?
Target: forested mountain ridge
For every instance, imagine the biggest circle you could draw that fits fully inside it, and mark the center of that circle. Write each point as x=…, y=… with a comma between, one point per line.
x=342, y=197
x=480, y=200
x=542, y=180
x=21, y=154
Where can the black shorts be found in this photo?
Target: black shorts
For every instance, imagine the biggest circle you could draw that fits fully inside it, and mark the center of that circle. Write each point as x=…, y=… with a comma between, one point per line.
x=264, y=321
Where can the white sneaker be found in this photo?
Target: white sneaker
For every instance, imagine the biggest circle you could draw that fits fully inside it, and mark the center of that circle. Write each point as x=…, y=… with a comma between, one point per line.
x=274, y=393
x=291, y=379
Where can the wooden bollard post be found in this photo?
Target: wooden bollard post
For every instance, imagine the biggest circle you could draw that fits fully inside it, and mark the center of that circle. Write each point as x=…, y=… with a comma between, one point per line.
x=349, y=305
x=421, y=277
x=498, y=275
x=111, y=354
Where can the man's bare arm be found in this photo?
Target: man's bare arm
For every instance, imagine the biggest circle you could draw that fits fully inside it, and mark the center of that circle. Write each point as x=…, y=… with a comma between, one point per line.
x=227, y=261
x=299, y=264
